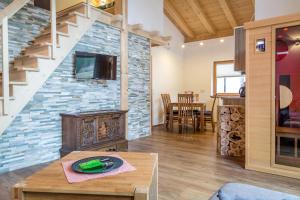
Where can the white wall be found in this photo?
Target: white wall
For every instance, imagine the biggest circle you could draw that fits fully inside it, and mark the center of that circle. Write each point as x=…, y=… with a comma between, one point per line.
x=167, y=62
x=272, y=8
x=146, y=12
x=198, y=64
x=167, y=70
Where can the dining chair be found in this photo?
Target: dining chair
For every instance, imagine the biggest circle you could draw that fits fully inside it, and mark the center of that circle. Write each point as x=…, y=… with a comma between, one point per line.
x=209, y=114
x=185, y=116
x=196, y=98
x=166, y=100
x=199, y=120
x=185, y=98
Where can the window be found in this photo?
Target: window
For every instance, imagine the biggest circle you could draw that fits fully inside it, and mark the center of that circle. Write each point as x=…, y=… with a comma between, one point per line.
x=226, y=80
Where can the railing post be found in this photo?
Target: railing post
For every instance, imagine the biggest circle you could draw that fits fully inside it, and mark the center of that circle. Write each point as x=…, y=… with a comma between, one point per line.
x=88, y=8
x=53, y=28
x=5, y=66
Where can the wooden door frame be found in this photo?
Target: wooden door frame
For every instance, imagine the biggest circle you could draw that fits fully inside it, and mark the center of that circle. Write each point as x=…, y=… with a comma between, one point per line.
x=273, y=104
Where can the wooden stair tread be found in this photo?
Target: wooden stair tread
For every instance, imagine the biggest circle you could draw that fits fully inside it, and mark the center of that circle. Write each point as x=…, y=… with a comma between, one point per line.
x=32, y=56
x=10, y=98
x=23, y=68
x=15, y=83
x=49, y=34
x=67, y=22
x=37, y=56
x=70, y=14
x=71, y=9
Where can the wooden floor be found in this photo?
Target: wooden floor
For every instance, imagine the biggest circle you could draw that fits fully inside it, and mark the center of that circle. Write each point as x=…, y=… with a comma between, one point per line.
x=189, y=168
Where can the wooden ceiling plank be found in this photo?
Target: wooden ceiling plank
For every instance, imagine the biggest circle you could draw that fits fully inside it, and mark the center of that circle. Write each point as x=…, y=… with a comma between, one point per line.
x=228, y=13
x=174, y=16
x=195, y=6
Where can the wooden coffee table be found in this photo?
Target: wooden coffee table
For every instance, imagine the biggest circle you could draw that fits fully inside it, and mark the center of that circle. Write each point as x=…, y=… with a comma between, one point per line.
x=51, y=184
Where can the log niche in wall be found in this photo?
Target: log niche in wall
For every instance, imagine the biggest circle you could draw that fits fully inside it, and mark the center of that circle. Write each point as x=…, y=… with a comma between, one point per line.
x=100, y=130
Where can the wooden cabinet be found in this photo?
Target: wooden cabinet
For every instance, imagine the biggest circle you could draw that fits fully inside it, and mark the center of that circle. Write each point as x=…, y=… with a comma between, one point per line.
x=100, y=130
x=271, y=144
x=240, y=49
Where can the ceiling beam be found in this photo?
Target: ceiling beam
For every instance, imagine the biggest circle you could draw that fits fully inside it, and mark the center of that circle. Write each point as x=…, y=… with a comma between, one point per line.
x=226, y=9
x=253, y=8
x=195, y=6
x=174, y=16
x=207, y=36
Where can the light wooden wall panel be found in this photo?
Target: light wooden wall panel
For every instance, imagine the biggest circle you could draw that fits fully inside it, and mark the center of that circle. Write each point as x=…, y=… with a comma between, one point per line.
x=258, y=100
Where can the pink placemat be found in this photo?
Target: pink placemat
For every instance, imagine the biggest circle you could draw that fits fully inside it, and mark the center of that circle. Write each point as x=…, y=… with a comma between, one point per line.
x=74, y=177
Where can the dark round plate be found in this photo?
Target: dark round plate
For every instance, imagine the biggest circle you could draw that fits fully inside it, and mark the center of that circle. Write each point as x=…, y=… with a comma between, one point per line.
x=117, y=163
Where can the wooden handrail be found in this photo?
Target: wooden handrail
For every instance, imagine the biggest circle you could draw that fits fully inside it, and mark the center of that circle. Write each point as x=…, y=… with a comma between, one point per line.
x=12, y=8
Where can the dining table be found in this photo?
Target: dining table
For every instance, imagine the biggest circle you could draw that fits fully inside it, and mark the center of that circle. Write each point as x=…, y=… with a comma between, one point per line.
x=174, y=106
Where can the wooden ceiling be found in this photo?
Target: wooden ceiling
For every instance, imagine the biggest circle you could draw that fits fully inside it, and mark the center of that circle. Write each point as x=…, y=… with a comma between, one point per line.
x=207, y=19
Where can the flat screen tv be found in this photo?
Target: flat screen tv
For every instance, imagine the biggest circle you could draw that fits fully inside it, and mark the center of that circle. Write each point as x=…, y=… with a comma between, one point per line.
x=95, y=66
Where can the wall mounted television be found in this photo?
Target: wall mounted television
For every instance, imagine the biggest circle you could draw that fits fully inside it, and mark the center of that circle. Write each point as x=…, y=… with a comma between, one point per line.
x=95, y=66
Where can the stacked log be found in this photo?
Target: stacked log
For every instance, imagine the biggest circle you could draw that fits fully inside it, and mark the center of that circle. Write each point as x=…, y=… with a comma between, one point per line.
x=231, y=130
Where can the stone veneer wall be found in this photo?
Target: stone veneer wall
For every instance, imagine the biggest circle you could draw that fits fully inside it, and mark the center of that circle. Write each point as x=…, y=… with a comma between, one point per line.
x=23, y=27
x=139, y=115
x=35, y=135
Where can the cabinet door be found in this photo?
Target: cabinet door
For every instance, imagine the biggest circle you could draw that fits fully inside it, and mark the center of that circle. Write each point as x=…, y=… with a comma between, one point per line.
x=87, y=134
x=110, y=128
x=287, y=92
x=240, y=49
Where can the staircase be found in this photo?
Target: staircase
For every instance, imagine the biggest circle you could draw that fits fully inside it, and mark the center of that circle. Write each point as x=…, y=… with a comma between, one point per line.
x=30, y=70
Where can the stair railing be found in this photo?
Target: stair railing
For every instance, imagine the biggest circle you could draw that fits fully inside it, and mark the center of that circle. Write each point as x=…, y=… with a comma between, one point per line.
x=5, y=14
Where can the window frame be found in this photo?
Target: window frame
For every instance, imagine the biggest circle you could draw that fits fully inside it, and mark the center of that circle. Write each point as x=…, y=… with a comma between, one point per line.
x=215, y=78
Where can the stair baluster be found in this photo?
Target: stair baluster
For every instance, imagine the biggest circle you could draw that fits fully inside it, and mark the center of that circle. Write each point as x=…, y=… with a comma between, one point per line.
x=53, y=28
x=5, y=66
x=88, y=8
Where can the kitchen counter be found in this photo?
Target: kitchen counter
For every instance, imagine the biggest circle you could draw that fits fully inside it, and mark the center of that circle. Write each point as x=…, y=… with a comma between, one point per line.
x=232, y=100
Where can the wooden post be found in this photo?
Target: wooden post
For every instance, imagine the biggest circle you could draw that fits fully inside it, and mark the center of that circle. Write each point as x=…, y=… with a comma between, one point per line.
x=53, y=28
x=124, y=61
x=5, y=65
x=88, y=8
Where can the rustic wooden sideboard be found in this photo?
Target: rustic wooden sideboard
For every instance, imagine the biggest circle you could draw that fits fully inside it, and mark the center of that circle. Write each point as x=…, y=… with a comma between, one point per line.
x=102, y=130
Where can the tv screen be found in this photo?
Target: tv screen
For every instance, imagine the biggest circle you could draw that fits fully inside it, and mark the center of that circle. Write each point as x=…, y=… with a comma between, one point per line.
x=95, y=66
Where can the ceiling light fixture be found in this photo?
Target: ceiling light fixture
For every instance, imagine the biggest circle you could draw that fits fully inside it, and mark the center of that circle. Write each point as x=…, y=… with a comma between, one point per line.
x=222, y=40
x=201, y=43
x=183, y=46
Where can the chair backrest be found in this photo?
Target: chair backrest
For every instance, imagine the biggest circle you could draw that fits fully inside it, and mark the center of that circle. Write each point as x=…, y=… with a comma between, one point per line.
x=185, y=98
x=196, y=98
x=188, y=92
x=185, y=110
x=166, y=100
x=213, y=105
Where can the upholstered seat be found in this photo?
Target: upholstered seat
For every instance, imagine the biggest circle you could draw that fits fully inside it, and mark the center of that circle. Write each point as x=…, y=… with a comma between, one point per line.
x=238, y=191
